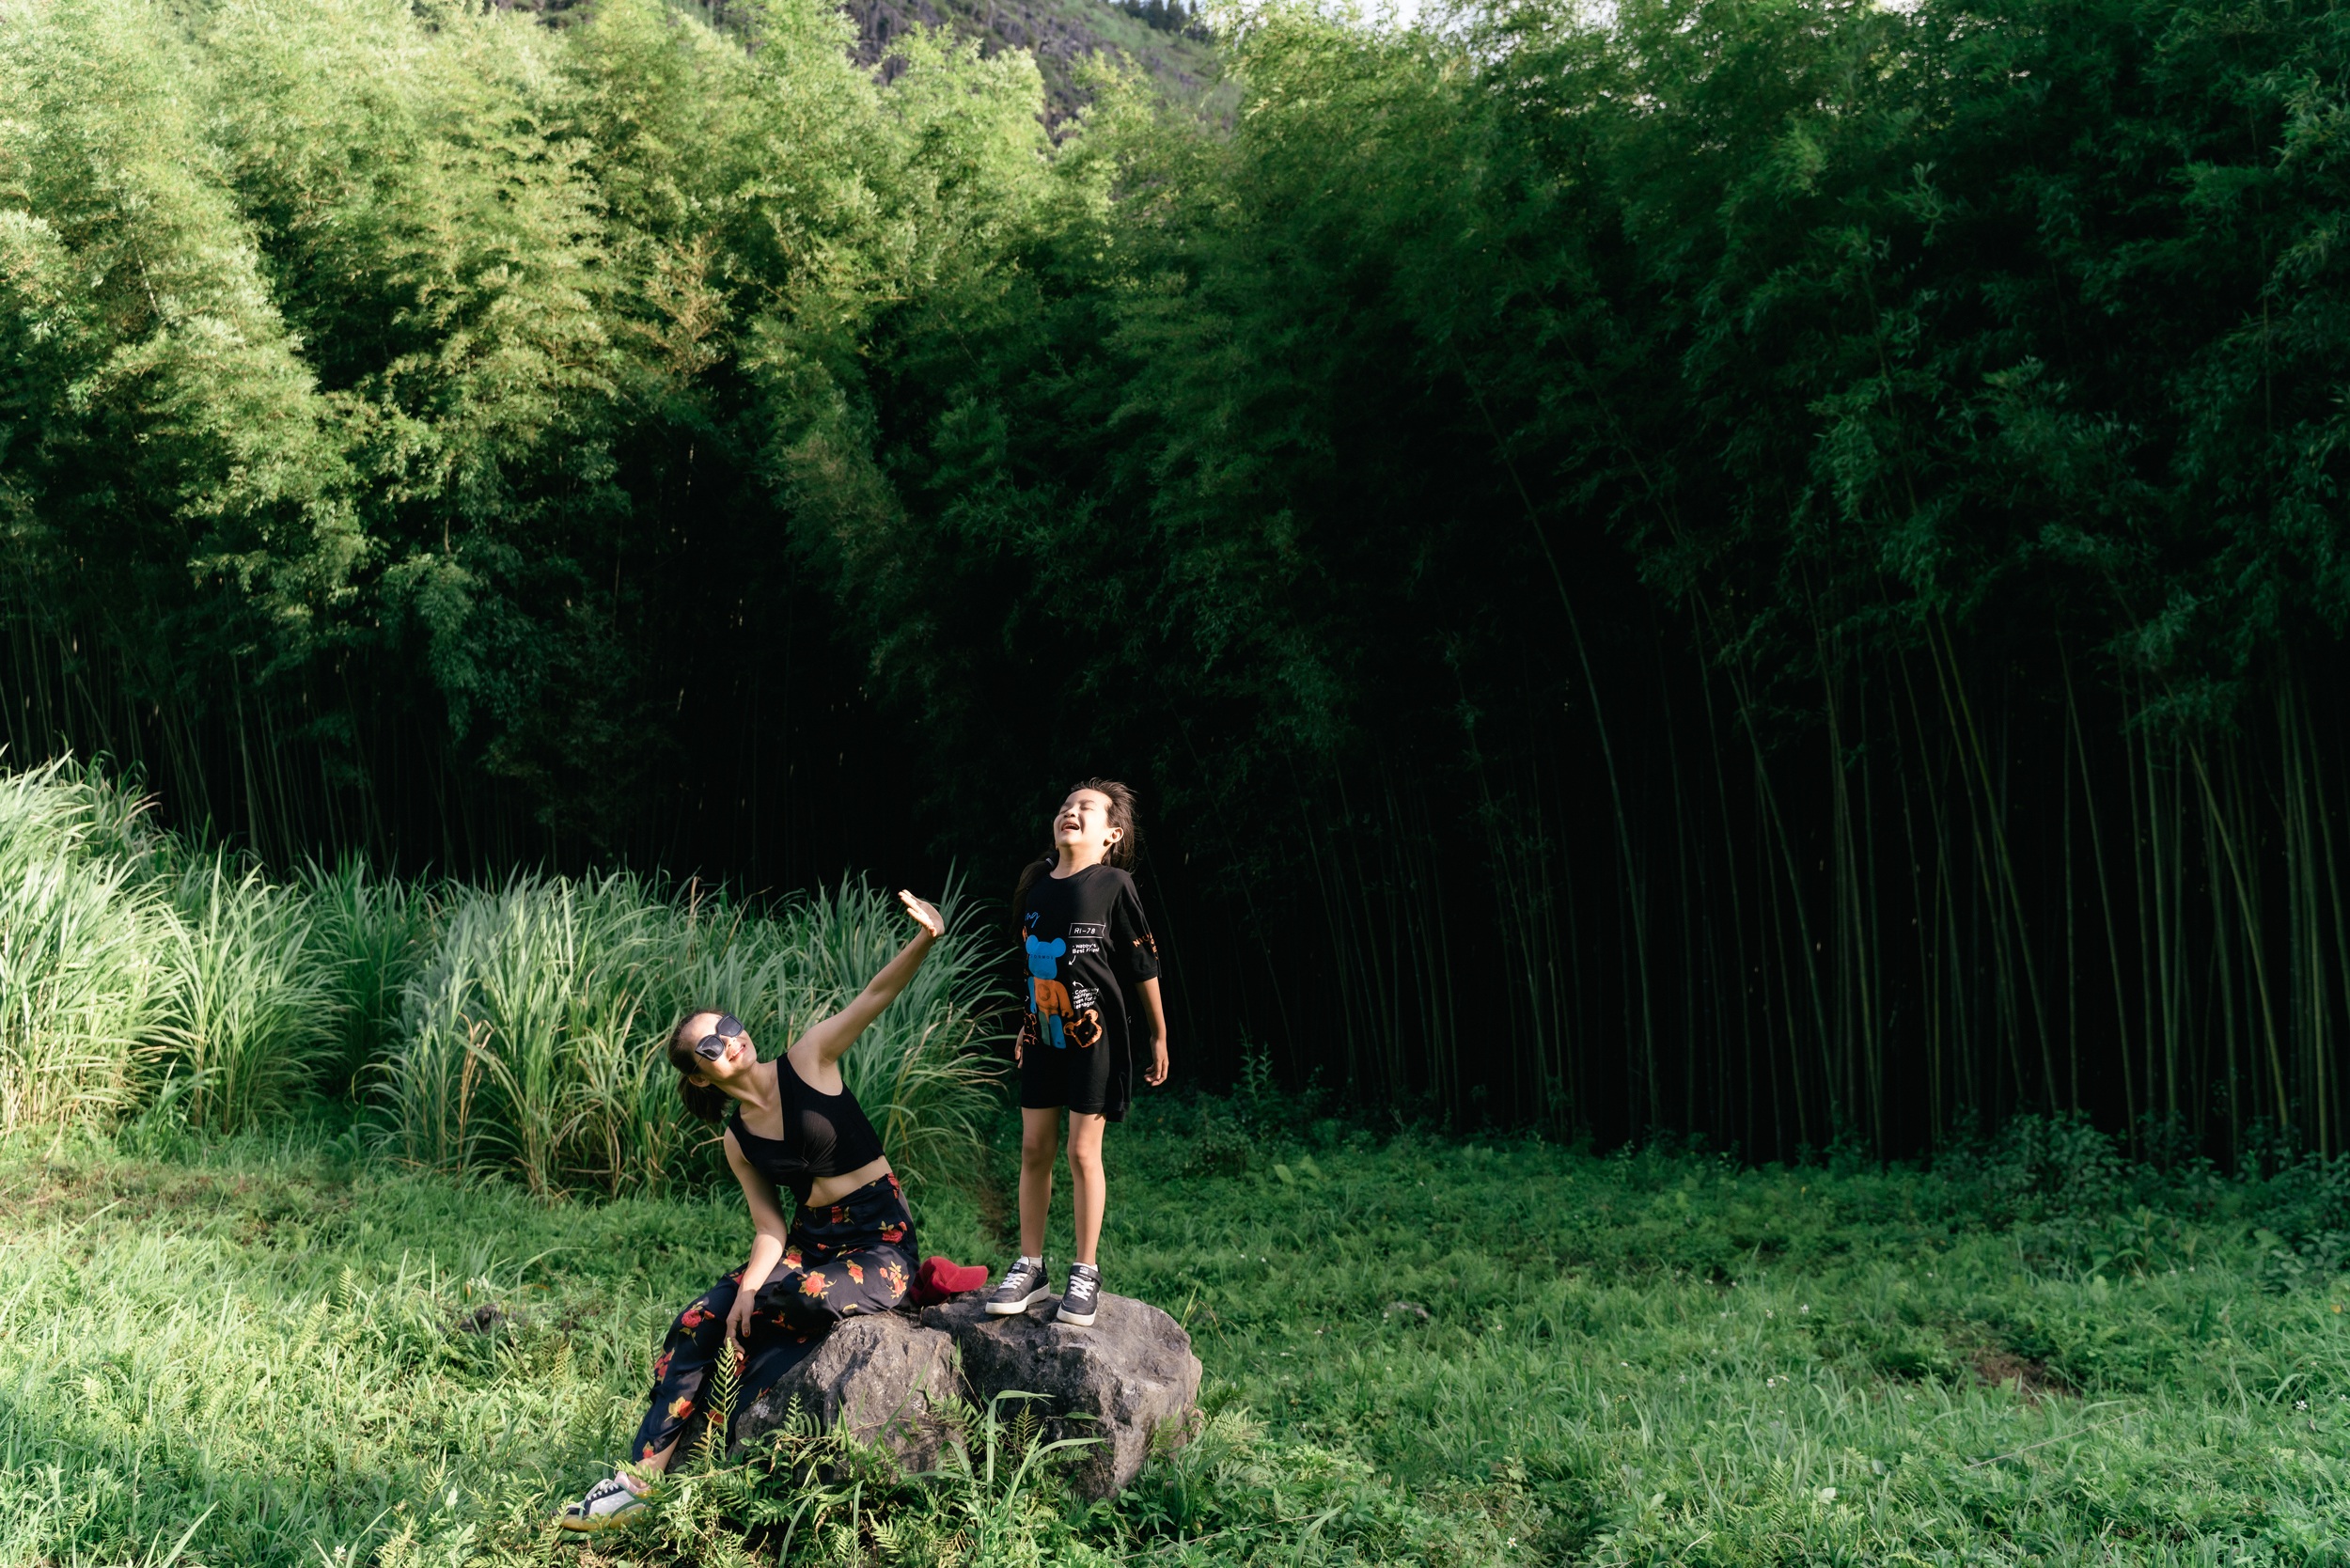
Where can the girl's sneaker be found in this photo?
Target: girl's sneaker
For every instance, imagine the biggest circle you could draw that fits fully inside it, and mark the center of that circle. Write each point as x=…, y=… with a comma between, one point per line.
x=608, y=1503
x=1023, y=1288
x=1083, y=1300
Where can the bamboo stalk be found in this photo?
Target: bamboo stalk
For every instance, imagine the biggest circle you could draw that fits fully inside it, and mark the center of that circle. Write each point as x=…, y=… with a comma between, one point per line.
x=2105, y=897
x=2248, y=907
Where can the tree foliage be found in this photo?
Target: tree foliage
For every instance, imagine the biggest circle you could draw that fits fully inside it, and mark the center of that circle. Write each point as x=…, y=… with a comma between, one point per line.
x=1762, y=566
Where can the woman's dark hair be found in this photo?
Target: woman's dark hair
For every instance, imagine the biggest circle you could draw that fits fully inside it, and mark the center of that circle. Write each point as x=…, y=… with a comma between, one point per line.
x=1122, y=855
x=706, y=1101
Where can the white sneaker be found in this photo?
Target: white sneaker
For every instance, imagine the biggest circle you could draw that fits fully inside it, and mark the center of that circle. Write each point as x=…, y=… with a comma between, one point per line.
x=1022, y=1287
x=608, y=1503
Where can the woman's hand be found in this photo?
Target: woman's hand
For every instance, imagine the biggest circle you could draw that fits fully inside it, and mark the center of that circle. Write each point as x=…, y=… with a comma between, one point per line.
x=925, y=914
x=739, y=1316
x=1155, y=1074
x=1020, y=1041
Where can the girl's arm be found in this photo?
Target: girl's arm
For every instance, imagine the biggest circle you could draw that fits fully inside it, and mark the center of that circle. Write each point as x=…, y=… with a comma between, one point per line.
x=1137, y=957
x=1148, y=990
x=829, y=1037
x=767, y=1242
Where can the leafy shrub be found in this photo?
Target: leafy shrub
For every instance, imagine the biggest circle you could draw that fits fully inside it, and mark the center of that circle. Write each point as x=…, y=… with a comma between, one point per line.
x=1222, y=1147
x=2040, y=1166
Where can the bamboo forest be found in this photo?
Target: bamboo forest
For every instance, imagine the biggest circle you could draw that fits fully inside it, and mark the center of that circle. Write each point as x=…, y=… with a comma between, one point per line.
x=1762, y=571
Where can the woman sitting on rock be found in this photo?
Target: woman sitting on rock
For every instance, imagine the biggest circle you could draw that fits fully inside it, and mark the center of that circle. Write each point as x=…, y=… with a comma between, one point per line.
x=849, y=1247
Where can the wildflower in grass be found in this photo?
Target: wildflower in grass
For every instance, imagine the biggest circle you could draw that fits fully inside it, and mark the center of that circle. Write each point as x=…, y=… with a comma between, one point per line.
x=1804, y=1309
x=2300, y=1404
x=1827, y=1494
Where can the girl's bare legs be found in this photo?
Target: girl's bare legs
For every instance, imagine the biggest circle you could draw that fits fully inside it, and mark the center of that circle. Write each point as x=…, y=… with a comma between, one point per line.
x=1087, y=1189
x=1040, y=1141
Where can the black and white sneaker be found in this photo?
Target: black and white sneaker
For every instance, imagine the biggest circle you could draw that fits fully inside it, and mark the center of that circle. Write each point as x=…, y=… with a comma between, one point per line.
x=1083, y=1301
x=1022, y=1287
x=609, y=1502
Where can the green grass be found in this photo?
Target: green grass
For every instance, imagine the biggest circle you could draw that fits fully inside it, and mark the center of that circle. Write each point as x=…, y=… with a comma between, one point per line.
x=288, y=1351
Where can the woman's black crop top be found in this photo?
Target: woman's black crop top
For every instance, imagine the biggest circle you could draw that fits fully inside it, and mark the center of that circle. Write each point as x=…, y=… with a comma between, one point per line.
x=823, y=1134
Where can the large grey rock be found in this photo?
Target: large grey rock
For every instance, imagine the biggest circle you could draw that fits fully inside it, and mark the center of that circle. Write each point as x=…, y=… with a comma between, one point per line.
x=886, y=1378
x=1133, y=1373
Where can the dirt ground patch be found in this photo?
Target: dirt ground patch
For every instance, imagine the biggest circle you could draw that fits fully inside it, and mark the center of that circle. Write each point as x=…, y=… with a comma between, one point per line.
x=2031, y=1379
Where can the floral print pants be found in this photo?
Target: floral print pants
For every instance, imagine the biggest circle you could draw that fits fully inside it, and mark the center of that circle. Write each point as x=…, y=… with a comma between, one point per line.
x=846, y=1258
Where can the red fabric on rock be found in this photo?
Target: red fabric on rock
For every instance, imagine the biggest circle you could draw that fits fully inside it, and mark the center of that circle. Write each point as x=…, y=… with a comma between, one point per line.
x=941, y=1278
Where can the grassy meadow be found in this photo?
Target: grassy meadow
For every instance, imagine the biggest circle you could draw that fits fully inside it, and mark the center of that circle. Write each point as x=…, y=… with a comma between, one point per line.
x=278, y=1348
x=339, y=1217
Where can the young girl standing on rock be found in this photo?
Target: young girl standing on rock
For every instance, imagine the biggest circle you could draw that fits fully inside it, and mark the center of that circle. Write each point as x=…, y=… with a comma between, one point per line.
x=1092, y=983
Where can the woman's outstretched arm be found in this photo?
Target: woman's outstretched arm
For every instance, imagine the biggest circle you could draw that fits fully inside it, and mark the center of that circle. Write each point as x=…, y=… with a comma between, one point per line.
x=829, y=1037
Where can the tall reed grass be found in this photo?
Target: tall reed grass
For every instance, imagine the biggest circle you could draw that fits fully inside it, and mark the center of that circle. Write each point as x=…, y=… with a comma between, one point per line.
x=83, y=930
x=370, y=934
x=532, y=1041
x=514, y=1031
x=249, y=1012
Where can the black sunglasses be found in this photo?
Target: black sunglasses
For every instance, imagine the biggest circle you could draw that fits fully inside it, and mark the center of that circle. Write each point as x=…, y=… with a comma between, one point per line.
x=714, y=1044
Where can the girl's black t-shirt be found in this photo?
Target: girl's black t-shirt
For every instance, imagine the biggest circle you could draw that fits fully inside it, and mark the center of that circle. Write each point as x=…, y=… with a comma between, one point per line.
x=1086, y=943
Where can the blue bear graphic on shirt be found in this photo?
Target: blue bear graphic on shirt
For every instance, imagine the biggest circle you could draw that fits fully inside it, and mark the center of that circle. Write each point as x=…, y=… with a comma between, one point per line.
x=1048, y=999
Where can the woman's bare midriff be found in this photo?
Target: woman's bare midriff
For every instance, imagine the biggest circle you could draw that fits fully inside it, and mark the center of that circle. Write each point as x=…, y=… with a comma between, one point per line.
x=826, y=1190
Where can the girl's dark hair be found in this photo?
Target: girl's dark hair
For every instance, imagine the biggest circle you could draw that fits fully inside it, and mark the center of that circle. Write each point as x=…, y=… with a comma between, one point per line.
x=1122, y=855
x=706, y=1101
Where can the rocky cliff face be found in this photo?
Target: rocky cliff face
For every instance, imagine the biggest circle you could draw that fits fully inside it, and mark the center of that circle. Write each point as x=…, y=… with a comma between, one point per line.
x=1062, y=34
